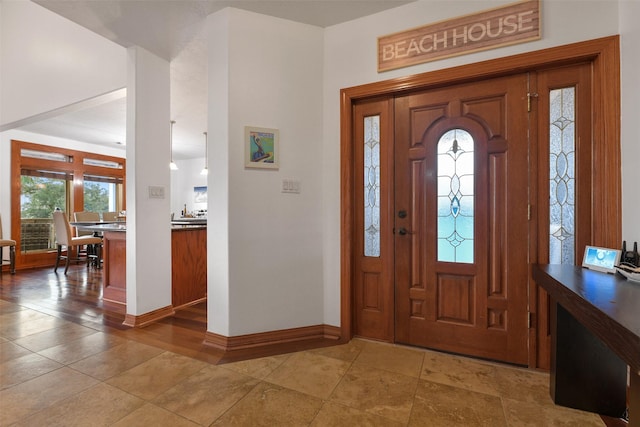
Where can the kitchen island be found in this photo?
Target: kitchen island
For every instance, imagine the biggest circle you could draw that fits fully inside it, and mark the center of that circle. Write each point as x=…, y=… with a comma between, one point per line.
x=188, y=263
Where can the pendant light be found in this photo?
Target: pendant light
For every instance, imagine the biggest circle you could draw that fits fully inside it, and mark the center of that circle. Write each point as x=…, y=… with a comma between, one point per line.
x=205, y=170
x=172, y=165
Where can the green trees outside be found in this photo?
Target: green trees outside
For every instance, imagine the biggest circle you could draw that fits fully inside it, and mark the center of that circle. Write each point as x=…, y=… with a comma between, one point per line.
x=42, y=195
x=96, y=197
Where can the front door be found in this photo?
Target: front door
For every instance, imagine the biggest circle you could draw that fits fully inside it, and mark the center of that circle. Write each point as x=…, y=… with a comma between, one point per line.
x=461, y=180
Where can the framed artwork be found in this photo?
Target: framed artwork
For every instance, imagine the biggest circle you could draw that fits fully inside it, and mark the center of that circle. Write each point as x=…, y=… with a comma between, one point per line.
x=261, y=148
x=200, y=194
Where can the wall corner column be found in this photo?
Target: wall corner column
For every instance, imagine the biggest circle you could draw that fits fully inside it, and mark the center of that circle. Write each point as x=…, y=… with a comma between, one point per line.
x=148, y=219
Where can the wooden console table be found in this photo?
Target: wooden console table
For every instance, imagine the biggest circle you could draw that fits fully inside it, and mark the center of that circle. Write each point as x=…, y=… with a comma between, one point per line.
x=595, y=335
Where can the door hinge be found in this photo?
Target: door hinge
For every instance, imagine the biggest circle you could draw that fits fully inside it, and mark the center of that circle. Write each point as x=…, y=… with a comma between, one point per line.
x=529, y=212
x=530, y=320
x=529, y=96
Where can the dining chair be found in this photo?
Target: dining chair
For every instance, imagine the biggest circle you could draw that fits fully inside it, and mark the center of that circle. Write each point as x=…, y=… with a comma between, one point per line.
x=11, y=244
x=109, y=216
x=85, y=216
x=64, y=237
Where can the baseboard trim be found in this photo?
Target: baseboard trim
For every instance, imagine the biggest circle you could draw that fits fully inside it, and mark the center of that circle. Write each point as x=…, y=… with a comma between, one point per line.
x=189, y=304
x=264, y=339
x=147, y=318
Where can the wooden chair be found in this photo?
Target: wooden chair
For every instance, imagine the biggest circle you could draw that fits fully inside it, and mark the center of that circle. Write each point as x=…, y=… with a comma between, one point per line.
x=109, y=216
x=85, y=216
x=11, y=244
x=88, y=217
x=64, y=237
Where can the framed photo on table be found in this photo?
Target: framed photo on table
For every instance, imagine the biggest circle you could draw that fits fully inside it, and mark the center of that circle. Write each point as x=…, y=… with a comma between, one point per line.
x=261, y=148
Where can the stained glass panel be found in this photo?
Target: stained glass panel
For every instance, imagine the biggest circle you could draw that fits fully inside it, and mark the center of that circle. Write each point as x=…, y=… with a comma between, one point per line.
x=562, y=176
x=372, y=186
x=456, y=197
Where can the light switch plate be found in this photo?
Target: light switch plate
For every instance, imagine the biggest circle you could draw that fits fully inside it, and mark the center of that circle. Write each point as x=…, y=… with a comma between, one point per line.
x=156, y=192
x=291, y=186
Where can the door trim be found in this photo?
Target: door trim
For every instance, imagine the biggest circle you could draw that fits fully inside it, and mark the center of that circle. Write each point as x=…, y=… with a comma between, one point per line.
x=603, y=53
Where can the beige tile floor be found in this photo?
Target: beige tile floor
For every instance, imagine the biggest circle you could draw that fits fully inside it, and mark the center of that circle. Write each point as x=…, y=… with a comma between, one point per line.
x=57, y=373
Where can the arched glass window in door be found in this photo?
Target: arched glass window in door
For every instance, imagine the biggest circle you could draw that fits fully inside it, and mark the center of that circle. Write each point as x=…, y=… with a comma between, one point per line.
x=455, y=168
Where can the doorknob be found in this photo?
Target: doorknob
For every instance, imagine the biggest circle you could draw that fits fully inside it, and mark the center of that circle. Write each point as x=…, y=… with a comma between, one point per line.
x=402, y=231
x=402, y=214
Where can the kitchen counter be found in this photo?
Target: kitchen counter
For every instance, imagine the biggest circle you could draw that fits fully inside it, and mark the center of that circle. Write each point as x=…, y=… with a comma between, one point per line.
x=189, y=221
x=119, y=227
x=188, y=263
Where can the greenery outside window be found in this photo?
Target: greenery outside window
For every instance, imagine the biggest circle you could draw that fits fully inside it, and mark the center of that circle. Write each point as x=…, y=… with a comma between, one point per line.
x=47, y=178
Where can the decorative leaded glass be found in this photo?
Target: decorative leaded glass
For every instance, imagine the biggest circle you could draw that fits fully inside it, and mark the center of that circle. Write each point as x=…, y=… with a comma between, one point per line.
x=372, y=186
x=455, y=197
x=562, y=177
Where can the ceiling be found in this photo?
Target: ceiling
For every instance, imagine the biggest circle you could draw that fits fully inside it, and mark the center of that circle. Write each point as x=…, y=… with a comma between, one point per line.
x=173, y=30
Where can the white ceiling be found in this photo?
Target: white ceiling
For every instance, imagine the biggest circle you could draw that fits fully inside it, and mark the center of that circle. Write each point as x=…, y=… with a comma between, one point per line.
x=173, y=30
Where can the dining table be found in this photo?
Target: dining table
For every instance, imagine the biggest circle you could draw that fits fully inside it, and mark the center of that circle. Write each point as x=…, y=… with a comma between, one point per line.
x=98, y=227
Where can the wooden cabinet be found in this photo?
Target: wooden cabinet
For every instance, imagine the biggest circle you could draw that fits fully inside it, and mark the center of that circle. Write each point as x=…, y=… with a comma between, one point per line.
x=189, y=266
x=595, y=335
x=114, y=278
x=188, y=269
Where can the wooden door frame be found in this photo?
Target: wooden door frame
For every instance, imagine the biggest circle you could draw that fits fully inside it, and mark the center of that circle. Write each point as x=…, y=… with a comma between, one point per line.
x=77, y=167
x=604, y=55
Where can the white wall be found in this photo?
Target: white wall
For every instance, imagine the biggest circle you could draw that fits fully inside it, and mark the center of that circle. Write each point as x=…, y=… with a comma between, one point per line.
x=218, y=186
x=148, y=158
x=49, y=62
x=630, y=118
x=182, y=182
x=350, y=60
x=275, y=249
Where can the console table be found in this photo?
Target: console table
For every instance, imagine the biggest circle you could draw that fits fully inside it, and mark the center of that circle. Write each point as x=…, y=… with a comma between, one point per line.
x=595, y=335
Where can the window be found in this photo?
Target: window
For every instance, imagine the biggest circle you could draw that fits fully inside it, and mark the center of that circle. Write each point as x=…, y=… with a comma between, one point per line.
x=48, y=178
x=562, y=152
x=42, y=192
x=100, y=193
x=372, y=186
x=455, y=196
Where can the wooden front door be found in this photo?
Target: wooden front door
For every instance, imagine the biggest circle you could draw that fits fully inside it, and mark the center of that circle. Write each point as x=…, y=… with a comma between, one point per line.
x=461, y=179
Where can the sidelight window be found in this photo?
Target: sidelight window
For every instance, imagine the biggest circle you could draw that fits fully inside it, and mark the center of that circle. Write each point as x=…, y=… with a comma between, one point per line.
x=372, y=186
x=455, y=168
x=562, y=153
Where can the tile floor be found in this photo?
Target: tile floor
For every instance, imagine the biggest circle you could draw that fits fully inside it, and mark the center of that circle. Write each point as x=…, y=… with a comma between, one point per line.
x=58, y=373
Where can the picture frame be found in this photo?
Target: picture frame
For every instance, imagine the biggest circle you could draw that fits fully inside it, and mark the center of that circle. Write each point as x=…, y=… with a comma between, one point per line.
x=200, y=194
x=261, y=148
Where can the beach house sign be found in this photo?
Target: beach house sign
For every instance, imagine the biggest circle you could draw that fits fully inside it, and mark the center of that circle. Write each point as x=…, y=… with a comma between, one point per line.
x=502, y=26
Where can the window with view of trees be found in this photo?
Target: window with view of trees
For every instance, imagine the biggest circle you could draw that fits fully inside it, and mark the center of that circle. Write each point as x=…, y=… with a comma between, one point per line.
x=53, y=178
x=41, y=195
x=99, y=193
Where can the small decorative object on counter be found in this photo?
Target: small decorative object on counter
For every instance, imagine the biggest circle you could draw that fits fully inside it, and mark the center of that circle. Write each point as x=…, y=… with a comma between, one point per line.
x=630, y=263
x=630, y=257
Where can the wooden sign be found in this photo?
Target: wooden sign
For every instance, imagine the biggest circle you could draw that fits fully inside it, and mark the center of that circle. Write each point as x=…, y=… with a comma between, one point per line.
x=507, y=25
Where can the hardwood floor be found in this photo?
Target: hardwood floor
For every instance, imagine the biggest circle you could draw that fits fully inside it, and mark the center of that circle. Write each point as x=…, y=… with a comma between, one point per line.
x=76, y=297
